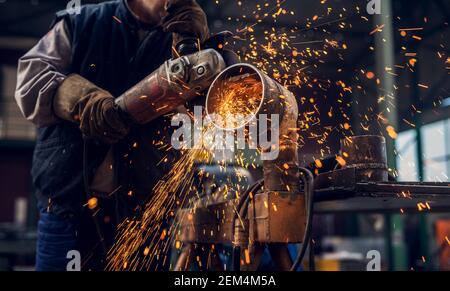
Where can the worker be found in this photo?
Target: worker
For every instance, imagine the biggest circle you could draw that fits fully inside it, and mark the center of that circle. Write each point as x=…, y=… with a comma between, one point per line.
x=92, y=166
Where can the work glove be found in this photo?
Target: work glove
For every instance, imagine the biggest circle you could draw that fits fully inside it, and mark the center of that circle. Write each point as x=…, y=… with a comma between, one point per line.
x=185, y=19
x=100, y=119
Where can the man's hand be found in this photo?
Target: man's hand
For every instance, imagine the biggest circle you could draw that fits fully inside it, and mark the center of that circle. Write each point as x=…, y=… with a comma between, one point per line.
x=101, y=120
x=185, y=18
x=78, y=100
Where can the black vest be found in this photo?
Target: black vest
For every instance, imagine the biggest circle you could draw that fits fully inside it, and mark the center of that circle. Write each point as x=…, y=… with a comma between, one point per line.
x=107, y=51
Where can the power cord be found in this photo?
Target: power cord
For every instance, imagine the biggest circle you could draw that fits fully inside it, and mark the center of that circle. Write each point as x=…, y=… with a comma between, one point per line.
x=240, y=210
x=89, y=196
x=307, y=177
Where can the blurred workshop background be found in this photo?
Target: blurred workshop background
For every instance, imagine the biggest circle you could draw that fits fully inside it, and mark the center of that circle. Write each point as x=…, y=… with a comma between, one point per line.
x=419, y=112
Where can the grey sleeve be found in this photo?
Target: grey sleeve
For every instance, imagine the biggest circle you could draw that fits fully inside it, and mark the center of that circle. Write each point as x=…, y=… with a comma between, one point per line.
x=40, y=72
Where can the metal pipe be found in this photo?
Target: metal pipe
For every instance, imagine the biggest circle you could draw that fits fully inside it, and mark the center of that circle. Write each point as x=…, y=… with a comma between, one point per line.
x=280, y=174
x=385, y=60
x=367, y=154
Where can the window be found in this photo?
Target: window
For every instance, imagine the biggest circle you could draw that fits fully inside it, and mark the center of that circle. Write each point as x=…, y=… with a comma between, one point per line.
x=406, y=145
x=435, y=153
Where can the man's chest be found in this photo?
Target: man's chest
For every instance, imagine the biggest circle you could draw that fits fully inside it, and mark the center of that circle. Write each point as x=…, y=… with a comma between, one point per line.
x=120, y=59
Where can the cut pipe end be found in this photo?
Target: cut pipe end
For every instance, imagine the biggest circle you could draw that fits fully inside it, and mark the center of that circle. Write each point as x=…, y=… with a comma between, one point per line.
x=235, y=97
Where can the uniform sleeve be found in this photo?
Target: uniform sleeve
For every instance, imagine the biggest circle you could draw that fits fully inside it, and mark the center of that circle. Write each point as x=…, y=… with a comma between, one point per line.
x=40, y=72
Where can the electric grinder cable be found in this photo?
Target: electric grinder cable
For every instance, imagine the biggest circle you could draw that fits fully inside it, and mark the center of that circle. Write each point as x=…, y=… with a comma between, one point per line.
x=90, y=196
x=309, y=197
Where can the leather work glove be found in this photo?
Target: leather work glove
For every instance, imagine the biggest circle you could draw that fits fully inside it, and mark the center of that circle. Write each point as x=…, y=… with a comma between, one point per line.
x=186, y=20
x=78, y=100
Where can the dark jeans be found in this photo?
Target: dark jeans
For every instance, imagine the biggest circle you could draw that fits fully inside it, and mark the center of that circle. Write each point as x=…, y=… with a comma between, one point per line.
x=56, y=237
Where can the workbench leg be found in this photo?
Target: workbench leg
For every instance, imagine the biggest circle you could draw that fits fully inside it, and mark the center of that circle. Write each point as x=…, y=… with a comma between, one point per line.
x=214, y=262
x=255, y=253
x=281, y=257
x=183, y=261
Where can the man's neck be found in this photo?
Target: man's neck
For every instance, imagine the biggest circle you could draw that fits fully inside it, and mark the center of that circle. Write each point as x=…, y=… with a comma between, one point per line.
x=141, y=10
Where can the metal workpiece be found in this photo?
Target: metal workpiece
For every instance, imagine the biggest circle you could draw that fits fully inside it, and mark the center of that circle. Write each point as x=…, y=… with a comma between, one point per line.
x=367, y=154
x=171, y=85
x=281, y=173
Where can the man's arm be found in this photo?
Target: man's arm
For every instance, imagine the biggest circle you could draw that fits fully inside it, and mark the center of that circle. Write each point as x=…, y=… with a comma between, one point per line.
x=40, y=72
x=47, y=94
